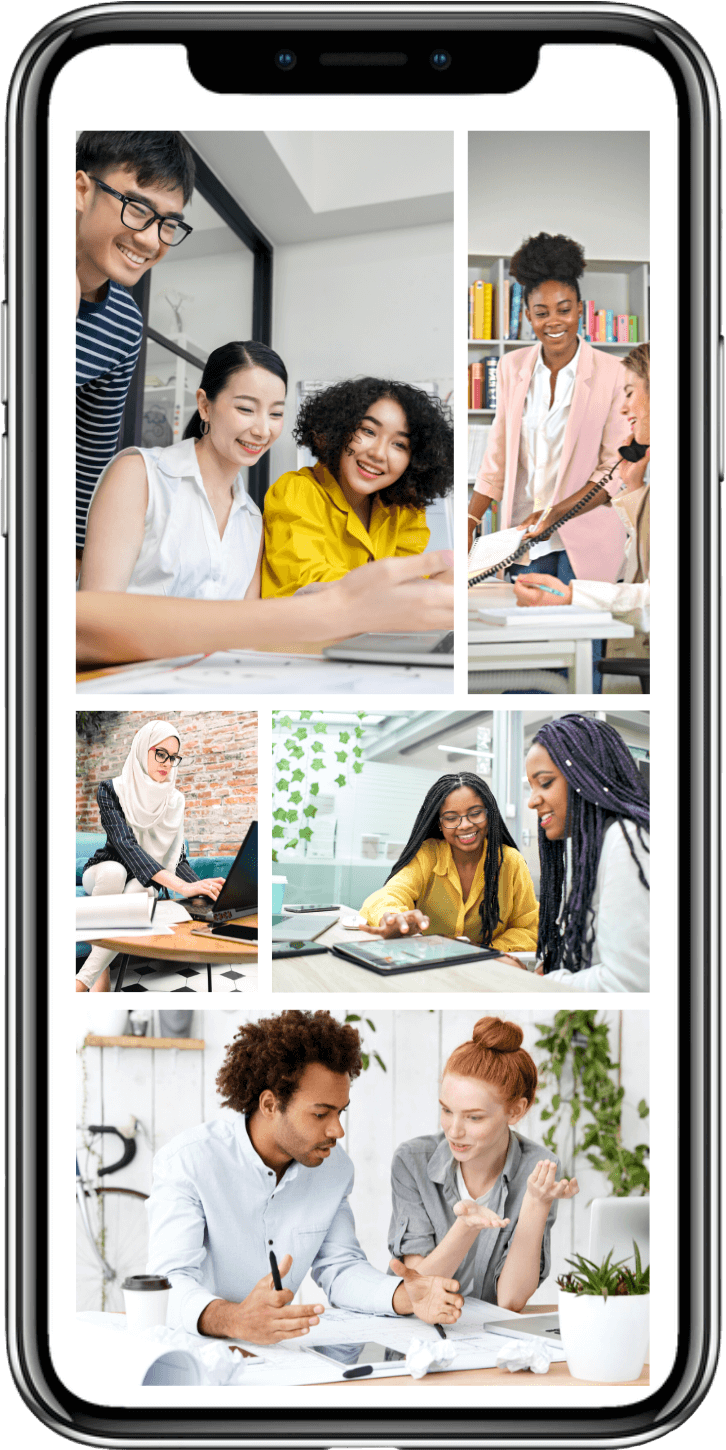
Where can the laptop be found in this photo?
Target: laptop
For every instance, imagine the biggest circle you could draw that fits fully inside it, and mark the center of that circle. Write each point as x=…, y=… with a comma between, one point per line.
x=425, y=647
x=238, y=896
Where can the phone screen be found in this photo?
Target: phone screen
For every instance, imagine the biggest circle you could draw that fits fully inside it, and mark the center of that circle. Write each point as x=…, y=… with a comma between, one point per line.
x=359, y=236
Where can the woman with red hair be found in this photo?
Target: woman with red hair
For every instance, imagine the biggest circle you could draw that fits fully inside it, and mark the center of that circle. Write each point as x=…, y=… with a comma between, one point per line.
x=477, y=1201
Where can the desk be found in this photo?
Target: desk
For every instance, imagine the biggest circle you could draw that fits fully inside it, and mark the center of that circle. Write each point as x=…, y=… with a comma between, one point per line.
x=301, y=669
x=557, y=1375
x=495, y=647
x=326, y=973
x=184, y=949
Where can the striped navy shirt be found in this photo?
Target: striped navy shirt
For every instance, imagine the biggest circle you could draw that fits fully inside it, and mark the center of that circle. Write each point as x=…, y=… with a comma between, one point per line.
x=108, y=338
x=122, y=845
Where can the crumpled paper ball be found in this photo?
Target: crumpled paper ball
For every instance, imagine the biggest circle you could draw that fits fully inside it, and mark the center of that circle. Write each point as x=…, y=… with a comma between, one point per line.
x=219, y=1366
x=524, y=1354
x=423, y=1356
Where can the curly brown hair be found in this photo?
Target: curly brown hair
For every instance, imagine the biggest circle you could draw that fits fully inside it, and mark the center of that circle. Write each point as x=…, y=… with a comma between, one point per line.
x=274, y=1052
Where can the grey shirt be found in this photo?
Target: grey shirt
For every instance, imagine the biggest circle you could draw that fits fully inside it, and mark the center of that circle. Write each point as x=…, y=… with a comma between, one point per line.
x=423, y=1182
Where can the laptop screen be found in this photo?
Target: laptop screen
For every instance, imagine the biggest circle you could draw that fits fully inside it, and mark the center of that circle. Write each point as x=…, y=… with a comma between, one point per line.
x=240, y=888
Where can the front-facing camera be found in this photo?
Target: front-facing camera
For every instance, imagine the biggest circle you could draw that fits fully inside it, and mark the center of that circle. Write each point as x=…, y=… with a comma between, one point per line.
x=285, y=59
x=440, y=59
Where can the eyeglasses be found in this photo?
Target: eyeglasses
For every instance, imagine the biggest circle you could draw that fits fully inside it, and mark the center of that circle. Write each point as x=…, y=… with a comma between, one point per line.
x=137, y=216
x=162, y=756
x=476, y=814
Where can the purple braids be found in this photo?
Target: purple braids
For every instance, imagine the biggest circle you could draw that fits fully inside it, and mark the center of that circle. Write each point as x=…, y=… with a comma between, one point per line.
x=603, y=785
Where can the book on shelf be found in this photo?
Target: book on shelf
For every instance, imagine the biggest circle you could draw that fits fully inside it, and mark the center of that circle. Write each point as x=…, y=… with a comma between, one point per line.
x=490, y=383
x=515, y=310
x=477, y=384
x=478, y=435
x=606, y=325
x=506, y=288
x=482, y=308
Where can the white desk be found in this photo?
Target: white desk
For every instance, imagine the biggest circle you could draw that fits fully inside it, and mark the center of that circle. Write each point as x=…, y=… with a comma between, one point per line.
x=326, y=973
x=265, y=673
x=495, y=647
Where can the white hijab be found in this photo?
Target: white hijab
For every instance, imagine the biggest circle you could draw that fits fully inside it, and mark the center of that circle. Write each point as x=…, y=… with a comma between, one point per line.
x=153, y=809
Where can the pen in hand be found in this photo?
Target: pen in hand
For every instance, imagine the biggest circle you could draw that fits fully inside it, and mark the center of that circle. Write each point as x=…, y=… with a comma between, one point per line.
x=439, y=1330
x=276, y=1280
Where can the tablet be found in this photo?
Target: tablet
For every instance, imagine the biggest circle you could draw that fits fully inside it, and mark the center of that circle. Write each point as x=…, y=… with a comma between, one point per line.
x=414, y=954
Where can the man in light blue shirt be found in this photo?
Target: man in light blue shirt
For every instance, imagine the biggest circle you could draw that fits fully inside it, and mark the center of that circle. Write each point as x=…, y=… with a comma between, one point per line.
x=229, y=1191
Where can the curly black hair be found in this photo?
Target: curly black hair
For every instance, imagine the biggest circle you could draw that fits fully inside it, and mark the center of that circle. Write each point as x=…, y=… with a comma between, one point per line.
x=327, y=421
x=274, y=1052
x=545, y=258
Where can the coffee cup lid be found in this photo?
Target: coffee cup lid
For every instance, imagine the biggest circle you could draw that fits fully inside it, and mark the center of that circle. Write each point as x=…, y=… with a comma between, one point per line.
x=146, y=1281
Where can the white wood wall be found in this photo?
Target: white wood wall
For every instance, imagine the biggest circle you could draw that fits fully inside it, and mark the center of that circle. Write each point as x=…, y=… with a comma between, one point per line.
x=171, y=1090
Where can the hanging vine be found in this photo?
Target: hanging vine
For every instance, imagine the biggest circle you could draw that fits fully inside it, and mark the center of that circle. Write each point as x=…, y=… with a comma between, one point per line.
x=577, y=1044
x=294, y=786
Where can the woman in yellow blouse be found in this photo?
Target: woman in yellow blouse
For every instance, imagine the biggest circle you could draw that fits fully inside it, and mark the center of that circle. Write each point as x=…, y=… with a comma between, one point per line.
x=460, y=874
x=384, y=451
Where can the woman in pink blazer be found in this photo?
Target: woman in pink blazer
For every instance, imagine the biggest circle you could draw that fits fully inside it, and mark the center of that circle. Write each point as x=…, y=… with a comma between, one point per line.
x=558, y=424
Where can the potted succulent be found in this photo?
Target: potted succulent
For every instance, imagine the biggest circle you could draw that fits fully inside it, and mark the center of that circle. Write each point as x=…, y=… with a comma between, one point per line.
x=604, y=1318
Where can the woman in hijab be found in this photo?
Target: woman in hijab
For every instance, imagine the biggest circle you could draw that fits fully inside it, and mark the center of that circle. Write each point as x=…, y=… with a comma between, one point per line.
x=142, y=814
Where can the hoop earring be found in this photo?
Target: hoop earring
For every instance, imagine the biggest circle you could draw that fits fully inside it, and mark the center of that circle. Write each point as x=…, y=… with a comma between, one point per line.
x=204, y=427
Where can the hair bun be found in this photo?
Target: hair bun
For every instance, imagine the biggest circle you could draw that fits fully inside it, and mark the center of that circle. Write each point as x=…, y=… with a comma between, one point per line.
x=498, y=1035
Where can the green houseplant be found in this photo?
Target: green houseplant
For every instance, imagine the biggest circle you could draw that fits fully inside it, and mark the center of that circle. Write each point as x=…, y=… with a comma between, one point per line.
x=604, y=1314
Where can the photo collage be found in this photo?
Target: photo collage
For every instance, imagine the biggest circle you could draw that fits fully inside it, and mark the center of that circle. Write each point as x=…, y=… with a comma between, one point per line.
x=419, y=1152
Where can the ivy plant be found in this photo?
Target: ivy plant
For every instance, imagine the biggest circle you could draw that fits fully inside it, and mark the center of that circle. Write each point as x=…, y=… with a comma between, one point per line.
x=589, y=1100
x=297, y=760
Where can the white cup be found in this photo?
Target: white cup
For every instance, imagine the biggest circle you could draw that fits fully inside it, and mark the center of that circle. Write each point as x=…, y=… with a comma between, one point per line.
x=146, y=1297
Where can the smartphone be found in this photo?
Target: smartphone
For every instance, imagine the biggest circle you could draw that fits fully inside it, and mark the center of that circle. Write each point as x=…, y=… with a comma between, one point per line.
x=336, y=189
x=232, y=930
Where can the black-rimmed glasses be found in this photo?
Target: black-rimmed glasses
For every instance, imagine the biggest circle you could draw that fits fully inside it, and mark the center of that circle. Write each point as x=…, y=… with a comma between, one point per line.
x=137, y=216
x=451, y=818
x=162, y=756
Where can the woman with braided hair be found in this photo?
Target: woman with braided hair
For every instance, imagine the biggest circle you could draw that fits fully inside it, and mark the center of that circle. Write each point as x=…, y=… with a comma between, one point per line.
x=459, y=874
x=594, y=822
x=477, y=1201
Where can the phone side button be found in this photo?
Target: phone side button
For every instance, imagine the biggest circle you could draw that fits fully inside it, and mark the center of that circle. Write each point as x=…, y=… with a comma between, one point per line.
x=4, y=353
x=720, y=408
x=4, y=486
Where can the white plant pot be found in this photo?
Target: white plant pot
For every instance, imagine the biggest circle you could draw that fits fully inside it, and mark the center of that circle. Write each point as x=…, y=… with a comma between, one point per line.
x=105, y=1021
x=605, y=1340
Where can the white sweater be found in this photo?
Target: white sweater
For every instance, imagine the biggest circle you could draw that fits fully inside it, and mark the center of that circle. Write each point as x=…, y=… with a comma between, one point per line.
x=620, y=914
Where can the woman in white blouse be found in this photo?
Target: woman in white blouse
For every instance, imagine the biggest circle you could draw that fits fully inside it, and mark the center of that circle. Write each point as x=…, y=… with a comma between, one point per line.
x=628, y=600
x=594, y=822
x=178, y=521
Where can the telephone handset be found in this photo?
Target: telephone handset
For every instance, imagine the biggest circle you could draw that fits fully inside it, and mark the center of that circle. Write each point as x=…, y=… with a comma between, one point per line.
x=633, y=452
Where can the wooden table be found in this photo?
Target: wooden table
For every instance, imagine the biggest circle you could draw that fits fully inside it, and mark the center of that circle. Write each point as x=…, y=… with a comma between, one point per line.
x=495, y=647
x=182, y=947
x=557, y=1375
x=326, y=973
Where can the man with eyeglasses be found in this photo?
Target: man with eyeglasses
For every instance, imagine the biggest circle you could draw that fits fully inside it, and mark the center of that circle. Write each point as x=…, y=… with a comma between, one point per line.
x=131, y=188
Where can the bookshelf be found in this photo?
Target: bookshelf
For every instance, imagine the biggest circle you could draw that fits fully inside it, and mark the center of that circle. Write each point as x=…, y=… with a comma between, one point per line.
x=618, y=284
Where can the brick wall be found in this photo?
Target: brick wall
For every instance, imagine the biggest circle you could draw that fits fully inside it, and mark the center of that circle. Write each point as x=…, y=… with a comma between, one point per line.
x=217, y=776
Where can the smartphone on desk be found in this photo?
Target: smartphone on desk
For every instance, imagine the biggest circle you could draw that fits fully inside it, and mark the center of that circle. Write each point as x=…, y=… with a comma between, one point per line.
x=312, y=200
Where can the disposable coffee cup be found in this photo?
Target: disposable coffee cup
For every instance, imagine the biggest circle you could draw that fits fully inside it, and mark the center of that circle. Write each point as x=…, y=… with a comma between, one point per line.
x=146, y=1297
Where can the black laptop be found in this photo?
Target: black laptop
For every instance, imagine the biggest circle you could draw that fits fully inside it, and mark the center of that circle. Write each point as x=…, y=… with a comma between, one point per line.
x=238, y=896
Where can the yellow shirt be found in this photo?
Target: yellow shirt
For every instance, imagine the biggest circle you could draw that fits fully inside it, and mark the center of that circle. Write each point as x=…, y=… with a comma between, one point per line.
x=313, y=535
x=431, y=883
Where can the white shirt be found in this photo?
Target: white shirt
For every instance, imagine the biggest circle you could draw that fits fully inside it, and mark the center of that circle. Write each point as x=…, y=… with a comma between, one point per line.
x=628, y=601
x=181, y=553
x=620, y=917
x=541, y=440
x=216, y=1210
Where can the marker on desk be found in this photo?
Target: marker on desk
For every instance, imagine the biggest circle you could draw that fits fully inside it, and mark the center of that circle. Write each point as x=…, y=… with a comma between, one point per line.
x=276, y=1280
x=357, y=1373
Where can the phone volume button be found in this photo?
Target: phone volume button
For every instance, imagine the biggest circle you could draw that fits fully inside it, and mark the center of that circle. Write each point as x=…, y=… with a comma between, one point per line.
x=4, y=485
x=4, y=353
x=720, y=403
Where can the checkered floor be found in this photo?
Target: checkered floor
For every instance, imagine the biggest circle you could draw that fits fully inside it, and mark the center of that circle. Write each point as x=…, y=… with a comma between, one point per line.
x=149, y=977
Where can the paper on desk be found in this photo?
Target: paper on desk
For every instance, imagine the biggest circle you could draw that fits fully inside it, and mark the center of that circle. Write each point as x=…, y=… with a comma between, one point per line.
x=229, y=672
x=563, y=617
x=343, y=1326
x=135, y=933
